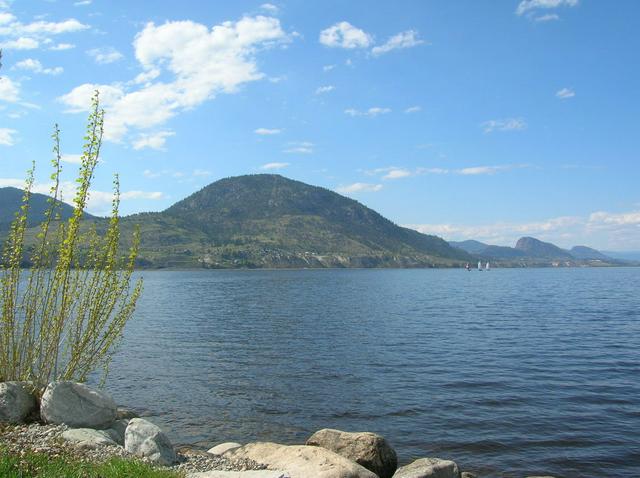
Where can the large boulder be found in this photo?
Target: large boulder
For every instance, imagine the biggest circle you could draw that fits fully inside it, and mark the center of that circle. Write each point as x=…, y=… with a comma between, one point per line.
x=222, y=448
x=239, y=474
x=429, y=468
x=16, y=402
x=90, y=438
x=77, y=405
x=301, y=461
x=367, y=449
x=144, y=439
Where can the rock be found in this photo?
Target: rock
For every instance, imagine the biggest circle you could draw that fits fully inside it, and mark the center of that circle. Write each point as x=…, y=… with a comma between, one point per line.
x=240, y=474
x=301, y=461
x=222, y=448
x=144, y=439
x=77, y=405
x=16, y=402
x=466, y=474
x=124, y=413
x=118, y=429
x=367, y=449
x=89, y=438
x=429, y=468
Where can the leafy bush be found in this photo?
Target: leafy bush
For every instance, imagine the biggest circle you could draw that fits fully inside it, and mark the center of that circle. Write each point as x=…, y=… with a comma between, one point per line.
x=61, y=318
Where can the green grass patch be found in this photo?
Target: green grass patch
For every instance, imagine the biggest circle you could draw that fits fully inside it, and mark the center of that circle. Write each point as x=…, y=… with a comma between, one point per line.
x=44, y=466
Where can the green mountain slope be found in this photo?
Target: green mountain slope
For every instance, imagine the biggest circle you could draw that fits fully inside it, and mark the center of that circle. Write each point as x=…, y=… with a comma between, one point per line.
x=11, y=200
x=270, y=221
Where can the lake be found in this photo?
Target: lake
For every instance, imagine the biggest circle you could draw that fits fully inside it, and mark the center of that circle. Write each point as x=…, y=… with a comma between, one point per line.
x=508, y=372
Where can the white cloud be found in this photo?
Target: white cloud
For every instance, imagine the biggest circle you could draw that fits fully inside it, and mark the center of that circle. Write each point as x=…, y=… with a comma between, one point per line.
x=9, y=90
x=35, y=66
x=549, y=17
x=413, y=109
x=104, y=56
x=394, y=172
x=22, y=43
x=71, y=158
x=526, y=6
x=274, y=166
x=299, y=147
x=269, y=7
x=326, y=68
x=201, y=173
x=267, y=131
x=371, y=112
x=405, y=39
x=7, y=136
x=62, y=47
x=565, y=93
x=345, y=35
x=325, y=89
x=204, y=62
x=146, y=77
x=359, y=188
x=83, y=3
x=155, y=141
x=508, y=124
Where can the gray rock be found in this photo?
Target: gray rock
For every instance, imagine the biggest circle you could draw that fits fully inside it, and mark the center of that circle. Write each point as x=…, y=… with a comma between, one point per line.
x=89, y=438
x=77, y=405
x=124, y=413
x=16, y=402
x=466, y=474
x=118, y=429
x=240, y=474
x=301, y=461
x=367, y=449
x=222, y=448
x=144, y=439
x=429, y=468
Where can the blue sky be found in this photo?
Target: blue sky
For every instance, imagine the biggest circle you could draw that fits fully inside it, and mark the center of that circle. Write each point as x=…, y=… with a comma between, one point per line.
x=469, y=119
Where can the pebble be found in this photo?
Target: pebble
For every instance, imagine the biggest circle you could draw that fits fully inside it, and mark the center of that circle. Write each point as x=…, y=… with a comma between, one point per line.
x=38, y=438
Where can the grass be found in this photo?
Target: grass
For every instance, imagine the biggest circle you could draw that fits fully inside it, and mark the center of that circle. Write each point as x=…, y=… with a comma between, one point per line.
x=44, y=466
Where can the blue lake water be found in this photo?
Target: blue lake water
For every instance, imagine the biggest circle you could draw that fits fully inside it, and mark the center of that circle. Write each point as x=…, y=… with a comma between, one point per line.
x=508, y=372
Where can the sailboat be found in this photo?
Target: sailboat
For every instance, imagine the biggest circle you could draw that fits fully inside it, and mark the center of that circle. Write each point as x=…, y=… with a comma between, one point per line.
x=486, y=267
x=479, y=266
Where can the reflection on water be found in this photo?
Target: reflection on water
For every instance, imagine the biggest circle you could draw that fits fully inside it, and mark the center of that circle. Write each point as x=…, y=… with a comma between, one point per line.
x=509, y=372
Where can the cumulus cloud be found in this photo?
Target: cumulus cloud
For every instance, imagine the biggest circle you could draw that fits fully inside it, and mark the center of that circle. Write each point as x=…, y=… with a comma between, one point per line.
x=508, y=124
x=62, y=46
x=204, y=63
x=359, y=188
x=105, y=56
x=35, y=66
x=274, y=166
x=30, y=36
x=371, y=112
x=565, y=93
x=345, y=35
x=270, y=8
x=413, y=109
x=9, y=90
x=405, y=39
x=267, y=131
x=394, y=172
x=155, y=141
x=21, y=43
x=7, y=136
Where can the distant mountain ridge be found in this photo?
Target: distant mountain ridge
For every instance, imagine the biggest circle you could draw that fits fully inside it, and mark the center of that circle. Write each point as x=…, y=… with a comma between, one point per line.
x=530, y=248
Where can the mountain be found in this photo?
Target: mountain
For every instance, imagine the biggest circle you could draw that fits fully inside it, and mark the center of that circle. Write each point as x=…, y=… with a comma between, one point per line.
x=533, y=247
x=267, y=220
x=11, y=201
x=471, y=246
x=584, y=252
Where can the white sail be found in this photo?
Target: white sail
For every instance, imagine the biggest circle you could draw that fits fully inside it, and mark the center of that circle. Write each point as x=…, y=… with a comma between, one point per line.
x=487, y=266
x=479, y=265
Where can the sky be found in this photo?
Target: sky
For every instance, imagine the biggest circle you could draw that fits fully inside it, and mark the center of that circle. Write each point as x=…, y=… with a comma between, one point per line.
x=485, y=120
